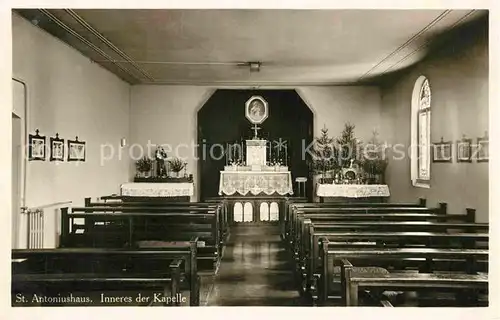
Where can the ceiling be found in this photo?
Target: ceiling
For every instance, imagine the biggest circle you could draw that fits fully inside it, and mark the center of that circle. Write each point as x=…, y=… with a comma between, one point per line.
x=207, y=47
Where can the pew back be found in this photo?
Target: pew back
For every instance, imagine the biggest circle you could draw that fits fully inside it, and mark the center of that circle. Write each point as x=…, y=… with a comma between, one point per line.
x=110, y=269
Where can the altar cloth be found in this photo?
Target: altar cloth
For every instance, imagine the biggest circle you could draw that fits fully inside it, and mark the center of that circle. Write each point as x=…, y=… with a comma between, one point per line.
x=143, y=189
x=255, y=182
x=352, y=190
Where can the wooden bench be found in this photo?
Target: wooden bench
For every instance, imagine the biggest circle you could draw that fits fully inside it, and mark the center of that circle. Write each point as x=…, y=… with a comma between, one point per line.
x=63, y=270
x=405, y=281
x=368, y=213
x=396, y=227
x=118, y=227
x=347, y=272
x=116, y=201
x=297, y=204
x=304, y=246
x=333, y=218
x=310, y=260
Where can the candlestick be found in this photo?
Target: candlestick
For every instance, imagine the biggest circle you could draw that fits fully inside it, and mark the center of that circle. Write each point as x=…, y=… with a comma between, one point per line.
x=227, y=153
x=241, y=151
x=270, y=150
x=286, y=155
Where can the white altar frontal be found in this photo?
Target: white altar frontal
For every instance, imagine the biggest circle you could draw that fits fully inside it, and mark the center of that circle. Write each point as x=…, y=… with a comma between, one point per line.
x=353, y=191
x=255, y=177
x=255, y=183
x=157, y=190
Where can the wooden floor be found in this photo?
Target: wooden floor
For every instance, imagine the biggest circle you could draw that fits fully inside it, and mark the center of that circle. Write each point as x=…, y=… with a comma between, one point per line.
x=255, y=271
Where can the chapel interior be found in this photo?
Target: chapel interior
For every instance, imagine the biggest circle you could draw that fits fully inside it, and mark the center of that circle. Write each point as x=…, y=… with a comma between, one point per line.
x=250, y=157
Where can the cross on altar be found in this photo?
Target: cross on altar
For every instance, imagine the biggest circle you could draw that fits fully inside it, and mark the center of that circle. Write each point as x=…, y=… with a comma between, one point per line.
x=255, y=128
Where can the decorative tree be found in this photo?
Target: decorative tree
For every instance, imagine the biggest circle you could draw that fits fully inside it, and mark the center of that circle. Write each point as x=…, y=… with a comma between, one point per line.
x=324, y=155
x=374, y=161
x=348, y=146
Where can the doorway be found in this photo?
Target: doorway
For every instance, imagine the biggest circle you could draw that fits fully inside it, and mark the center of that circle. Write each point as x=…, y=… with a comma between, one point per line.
x=19, y=111
x=16, y=177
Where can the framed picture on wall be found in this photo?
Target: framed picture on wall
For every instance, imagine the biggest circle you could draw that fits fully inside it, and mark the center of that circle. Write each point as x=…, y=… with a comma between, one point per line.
x=36, y=147
x=76, y=150
x=442, y=151
x=464, y=150
x=482, y=151
x=56, y=148
x=256, y=109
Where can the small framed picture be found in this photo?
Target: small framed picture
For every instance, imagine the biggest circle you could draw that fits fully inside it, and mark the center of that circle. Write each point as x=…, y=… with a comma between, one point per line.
x=36, y=147
x=483, y=151
x=76, y=150
x=56, y=148
x=464, y=150
x=442, y=151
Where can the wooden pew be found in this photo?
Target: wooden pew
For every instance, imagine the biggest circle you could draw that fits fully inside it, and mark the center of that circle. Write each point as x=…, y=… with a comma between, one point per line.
x=300, y=204
x=368, y=213
x=305, y=248
x=217, y=206
x=287, y=207
x=334, y=217
x=350, y=282
x=123, y=226
x=388, y=226
x=66, y=270
x=311, y=260
x=404, y=281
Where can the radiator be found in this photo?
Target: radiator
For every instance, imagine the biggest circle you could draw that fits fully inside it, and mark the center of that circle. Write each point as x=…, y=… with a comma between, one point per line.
x=35, y=228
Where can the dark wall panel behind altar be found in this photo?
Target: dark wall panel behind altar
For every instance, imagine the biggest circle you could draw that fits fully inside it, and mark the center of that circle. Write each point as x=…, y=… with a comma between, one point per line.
x=222, y=119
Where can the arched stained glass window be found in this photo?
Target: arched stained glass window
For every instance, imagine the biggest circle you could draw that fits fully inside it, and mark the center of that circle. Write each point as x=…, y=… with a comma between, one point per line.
x=421, y=133
x=424, y=134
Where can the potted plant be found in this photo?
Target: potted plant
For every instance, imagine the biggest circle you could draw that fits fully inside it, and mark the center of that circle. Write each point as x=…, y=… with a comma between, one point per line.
x=144, y=166
x=176, y=165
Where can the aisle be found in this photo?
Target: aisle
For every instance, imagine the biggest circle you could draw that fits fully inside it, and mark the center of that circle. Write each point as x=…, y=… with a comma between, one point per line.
x=255, y=270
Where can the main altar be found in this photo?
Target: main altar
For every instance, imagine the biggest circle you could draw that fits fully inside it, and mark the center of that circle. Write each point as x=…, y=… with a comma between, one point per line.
x=255, y=176
x=255, y=186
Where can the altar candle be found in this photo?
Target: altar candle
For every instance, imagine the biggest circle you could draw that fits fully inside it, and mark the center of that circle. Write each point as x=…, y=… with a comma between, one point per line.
x=270, y=150
x=241, y=151
x=227, y=154
x=286, y=155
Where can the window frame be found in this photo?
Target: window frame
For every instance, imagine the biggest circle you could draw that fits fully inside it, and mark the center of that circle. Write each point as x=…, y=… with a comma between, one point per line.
x=416, y=152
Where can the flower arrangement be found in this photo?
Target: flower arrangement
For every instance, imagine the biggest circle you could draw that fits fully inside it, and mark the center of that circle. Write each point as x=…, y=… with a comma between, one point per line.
x=144, y=165
x=237, y=163
x=176, y=165
x=274, y=163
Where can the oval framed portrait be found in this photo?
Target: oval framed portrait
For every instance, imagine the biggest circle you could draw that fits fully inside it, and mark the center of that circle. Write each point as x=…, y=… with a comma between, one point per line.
x=256, y=109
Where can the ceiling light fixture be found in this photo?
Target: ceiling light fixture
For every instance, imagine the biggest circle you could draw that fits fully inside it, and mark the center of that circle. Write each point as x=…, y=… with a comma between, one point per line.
x=254, y=66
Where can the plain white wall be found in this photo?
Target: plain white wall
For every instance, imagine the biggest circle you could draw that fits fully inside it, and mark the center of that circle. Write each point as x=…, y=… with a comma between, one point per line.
x=69, y=95
x=459, y=89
